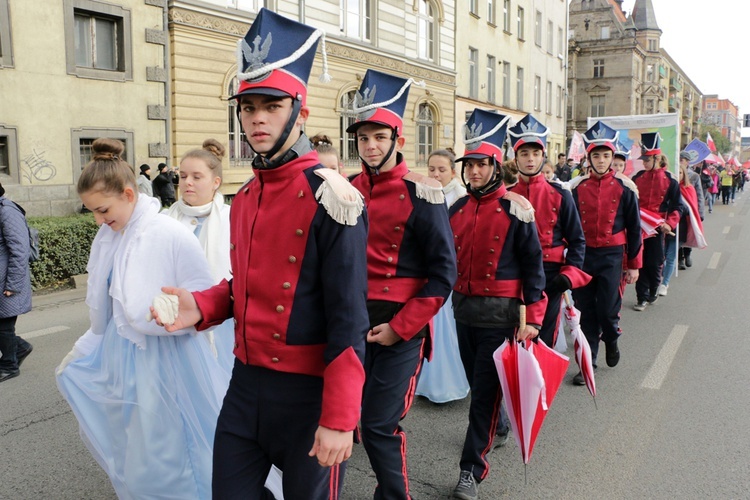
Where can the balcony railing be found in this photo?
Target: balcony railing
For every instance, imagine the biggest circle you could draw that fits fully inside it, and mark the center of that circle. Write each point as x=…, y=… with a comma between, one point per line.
x=675, y=83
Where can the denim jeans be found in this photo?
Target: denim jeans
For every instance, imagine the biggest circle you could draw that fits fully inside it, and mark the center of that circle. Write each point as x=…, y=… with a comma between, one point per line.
x=670, y=257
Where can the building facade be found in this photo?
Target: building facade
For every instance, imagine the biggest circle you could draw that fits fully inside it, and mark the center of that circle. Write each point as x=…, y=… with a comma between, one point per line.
x=724, y=115
x=617, y=67
x=96, y=69
x=510, y=57
x=410, y=39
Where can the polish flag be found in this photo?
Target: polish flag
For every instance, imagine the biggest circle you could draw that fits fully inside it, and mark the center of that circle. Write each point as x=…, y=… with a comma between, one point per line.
x=710, y=142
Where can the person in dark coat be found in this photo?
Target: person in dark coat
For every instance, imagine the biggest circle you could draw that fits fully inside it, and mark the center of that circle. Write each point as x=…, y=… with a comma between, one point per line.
x=15, y=277
x=164, y=186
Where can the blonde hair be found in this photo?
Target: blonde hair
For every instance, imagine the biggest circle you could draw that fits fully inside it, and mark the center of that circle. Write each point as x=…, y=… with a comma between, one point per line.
x=107, y=171
x=211, y=153
x=685, y=179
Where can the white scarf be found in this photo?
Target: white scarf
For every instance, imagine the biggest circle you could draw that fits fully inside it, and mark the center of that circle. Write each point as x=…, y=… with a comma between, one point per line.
x=214, y=237
x=453, y=191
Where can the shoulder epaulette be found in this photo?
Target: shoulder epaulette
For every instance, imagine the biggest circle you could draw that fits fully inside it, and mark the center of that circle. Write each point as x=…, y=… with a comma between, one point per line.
x=558, y=182
x=520, y=206
x=627, y=182
x=341, y=200
x=428, y=189
x=577, y=180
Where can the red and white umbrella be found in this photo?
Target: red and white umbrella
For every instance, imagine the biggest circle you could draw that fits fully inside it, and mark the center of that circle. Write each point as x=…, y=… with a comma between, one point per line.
x=581, y=346
x=530, y=374
x=650, y=223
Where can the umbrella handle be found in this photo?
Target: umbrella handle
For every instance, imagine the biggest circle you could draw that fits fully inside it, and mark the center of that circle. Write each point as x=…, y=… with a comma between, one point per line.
x=567, y=300
x=521, y=317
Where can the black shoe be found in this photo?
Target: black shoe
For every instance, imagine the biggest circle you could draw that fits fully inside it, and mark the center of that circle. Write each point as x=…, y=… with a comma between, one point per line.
x=652, y=300
x=640, y=305
x=613, y=353
x=466, y=489
x=688, y=261
x=501, y=439
x=578, y=379
x=6, y=374
x=20, y=356
x=681, y=266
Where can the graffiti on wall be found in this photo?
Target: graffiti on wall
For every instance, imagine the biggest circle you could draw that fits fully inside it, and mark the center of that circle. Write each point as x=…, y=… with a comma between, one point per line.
x=36, y=167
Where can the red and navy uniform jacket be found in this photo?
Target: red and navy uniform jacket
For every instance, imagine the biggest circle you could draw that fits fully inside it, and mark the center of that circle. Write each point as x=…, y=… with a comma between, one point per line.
x=410, y=256
x=559, y=226
x=659, y=192
x=498, y=254
x=609, y=212
x=299, y=285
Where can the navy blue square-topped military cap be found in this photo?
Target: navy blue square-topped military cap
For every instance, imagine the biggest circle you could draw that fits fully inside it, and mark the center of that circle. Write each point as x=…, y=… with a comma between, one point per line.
x=600, y=134
x=381, y=99
x=484, y=135
x=528, y=130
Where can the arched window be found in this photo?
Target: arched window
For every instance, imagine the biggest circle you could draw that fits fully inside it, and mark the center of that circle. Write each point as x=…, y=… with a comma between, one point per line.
x=426, y=30
x=240, y=153
x=425, y=133
x=348, y=145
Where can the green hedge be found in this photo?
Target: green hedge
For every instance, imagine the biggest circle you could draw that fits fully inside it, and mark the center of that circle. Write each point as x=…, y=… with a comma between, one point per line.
x=64, y=245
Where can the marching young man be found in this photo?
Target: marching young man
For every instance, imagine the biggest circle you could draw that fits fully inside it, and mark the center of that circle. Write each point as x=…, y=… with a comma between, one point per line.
x=608, y=206
x=499, y=268
x=298, y=291
x=411, y=267
x=557, y=220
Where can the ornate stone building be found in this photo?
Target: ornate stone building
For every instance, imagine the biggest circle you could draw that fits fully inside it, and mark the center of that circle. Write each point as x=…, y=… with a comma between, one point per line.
x=410, y=39
x=72, y=71
x=510, y=57
x=617, y=67
x=724, y=115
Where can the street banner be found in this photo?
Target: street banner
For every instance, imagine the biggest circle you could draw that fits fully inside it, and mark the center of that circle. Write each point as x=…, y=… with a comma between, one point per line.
x=698, y=151
x=577, y=149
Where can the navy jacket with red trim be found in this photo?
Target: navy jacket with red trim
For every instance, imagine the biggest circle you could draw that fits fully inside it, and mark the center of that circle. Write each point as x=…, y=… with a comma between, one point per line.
x=299, y=286
x=498, y=254
x=410, y=256
x=609, y=212
x=659, y=192
x=558, y=224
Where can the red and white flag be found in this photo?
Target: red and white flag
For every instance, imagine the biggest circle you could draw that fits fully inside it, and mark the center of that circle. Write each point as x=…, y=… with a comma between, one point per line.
x=650, y=223
x=710, y=142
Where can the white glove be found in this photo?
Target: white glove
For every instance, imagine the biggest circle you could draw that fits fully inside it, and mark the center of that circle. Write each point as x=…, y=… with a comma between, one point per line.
x=71, y=356
x=166, y=307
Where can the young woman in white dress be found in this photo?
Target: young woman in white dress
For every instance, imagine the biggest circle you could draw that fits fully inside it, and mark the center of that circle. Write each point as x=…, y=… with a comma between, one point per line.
x=443, y=378
x=146, y=401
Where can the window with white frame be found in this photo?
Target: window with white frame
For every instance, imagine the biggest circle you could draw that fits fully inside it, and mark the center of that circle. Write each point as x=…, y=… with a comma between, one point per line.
x=520, y=23
x=519, y=88
x=355, y=19
x=491, y=61
x=650, y=73
x=506, y=15
x=98, y=40
x=6, y=47
x=653, y=45
x=598, y=68
x=425, y=133
x=537, y=93
x=426, y=31
x=506, y=84
x=474, y=7
x=550, y=37
x=246, y=5
x=560, y=42
x=491, y=12
x=240, y=152
x=348, y=142
x=538, y=28
x=473, y=73
x=597, y=106
x=548, y=98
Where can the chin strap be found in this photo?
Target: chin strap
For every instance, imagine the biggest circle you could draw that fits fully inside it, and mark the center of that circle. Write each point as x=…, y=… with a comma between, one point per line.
x=376, y=170
x=491, y=185
x=265, y=157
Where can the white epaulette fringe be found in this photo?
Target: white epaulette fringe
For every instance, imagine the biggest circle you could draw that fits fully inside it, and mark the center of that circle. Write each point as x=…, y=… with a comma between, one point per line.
x=427, y=189
x=341, y=200
x=574, y=182
x=520, y=207
x=628, y=182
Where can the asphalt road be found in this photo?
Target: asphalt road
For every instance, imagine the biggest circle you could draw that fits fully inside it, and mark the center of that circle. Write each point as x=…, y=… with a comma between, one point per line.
x=670, y=421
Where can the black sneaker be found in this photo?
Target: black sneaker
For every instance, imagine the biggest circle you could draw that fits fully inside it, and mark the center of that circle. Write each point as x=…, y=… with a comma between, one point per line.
x=466, y=489
x=578, y=379
x=653, y=299
x=501, y=439
x=20, y=356
x=640, y=305
x=8, y=374
x=613, y=353
x=688, y=261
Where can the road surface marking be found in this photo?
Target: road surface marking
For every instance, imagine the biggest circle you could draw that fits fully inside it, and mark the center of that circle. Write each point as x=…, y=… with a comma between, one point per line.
x=44, y=331
x=659, y=369
x=714, y=262
x=727, y=229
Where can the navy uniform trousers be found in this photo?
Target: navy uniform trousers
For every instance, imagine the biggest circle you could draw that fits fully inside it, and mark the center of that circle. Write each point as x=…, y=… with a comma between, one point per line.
x=649, y=277
x=270, y=417
x=601, y=299
x=551, y=322
x=477, y=345
x=391, y=375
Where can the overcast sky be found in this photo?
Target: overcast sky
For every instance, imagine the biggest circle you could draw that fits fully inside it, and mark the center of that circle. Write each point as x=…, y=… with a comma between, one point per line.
x=709, y=40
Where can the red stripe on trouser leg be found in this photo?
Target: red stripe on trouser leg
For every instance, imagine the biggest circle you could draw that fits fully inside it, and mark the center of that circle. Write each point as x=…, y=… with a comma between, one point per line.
x=334, y=482
x=493, y=429
x=409, y=397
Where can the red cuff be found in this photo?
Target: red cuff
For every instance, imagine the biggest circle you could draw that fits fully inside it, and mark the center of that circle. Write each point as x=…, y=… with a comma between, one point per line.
x=215, y=305
x=415, y=314
x=576, y=276
x=535, y=311
x=343, y=380
x=673, y=219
